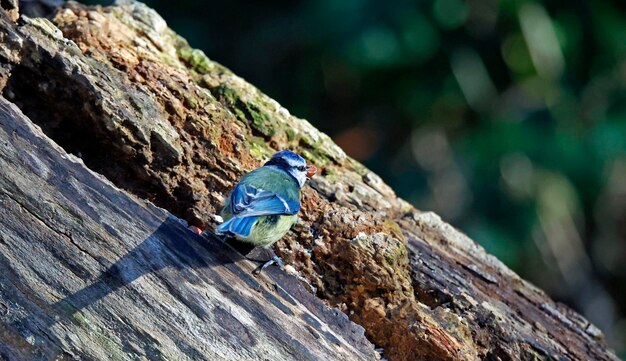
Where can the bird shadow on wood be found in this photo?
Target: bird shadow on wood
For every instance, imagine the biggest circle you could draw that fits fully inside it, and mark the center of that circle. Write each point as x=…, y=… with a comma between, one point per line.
x=170, y=246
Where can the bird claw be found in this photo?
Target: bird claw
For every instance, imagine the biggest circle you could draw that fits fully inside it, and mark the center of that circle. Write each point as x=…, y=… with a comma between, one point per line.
x=275, y=260
x=279, y=262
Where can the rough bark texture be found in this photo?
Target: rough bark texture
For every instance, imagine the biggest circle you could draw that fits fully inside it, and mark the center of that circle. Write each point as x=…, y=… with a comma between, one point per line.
x=117, y=88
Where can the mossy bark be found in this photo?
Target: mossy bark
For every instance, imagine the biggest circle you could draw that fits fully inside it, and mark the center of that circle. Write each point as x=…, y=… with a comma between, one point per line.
x=119, y=89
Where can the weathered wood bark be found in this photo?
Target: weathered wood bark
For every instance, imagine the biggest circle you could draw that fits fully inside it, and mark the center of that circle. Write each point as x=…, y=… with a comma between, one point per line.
x=90, y=272
x=120, y=90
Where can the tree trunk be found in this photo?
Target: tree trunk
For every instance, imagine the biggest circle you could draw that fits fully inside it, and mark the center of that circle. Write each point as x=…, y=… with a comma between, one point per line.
x=90, y=271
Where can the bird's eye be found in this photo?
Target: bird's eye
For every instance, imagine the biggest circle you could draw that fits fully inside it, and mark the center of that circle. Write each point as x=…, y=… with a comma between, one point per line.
x=301, y=168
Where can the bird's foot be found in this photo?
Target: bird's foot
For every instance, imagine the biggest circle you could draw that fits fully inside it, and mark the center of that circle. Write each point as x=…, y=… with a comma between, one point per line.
x=275, y=260
x=195, y=229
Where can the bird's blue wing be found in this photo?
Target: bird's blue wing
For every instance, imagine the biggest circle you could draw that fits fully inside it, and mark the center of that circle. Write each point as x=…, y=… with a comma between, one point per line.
x=246, y=201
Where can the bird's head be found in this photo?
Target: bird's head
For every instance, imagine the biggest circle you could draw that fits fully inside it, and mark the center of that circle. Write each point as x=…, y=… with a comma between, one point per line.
x=293, y=164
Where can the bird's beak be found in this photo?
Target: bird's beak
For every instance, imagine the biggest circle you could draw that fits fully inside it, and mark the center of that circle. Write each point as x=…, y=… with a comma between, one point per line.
x=311, y=170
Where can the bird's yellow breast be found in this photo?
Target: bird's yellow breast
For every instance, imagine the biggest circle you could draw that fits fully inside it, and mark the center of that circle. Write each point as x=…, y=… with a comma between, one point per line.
x=269, y=229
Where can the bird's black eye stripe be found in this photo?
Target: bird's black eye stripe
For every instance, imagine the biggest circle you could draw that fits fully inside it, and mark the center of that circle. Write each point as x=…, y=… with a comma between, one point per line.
x=284, y=164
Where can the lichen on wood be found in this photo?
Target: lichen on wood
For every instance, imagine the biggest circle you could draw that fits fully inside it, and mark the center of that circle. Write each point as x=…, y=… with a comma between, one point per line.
x=118, y=88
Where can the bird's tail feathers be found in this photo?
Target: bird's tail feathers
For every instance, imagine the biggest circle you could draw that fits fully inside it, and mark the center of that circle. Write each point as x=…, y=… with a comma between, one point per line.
x=239, y=226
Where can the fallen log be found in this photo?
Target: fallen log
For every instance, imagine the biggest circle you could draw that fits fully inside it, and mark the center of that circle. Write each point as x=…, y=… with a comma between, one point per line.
x=90, y=272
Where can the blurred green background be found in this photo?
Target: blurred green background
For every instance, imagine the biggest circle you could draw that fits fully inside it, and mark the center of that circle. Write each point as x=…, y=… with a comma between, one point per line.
x=508, y=118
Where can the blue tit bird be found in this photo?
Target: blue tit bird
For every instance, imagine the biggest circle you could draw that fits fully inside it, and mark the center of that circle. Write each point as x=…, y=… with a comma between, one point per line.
x=264, y=204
